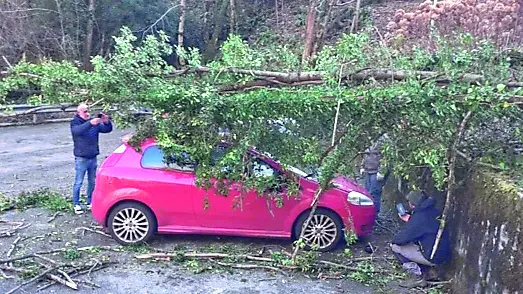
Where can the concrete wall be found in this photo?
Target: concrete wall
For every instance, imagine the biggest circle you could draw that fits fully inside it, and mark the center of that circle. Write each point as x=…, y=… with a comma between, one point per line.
x=486, y=225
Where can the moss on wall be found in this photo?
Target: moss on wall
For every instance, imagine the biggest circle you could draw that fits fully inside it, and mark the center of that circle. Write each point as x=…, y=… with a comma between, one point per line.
x=486, y=226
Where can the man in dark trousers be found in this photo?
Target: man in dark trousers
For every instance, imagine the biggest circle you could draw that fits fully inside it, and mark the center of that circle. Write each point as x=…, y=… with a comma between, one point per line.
x=372, y=171
x=413, y=244
x=85, y=132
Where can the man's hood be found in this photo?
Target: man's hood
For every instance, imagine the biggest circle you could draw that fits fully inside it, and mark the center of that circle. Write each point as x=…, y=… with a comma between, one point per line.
x=425, y=203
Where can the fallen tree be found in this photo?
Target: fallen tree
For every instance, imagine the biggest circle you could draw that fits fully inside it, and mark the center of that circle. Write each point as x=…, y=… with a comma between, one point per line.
x=293, y=114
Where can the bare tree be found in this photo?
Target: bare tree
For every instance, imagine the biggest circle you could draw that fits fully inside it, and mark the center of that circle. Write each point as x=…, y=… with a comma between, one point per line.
x=181, y=25
x=89, y=35
x=232, y=17
x=310, y=31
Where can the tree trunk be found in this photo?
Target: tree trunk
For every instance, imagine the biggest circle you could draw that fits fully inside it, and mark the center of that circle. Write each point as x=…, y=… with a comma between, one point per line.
x=219, y=22
x=89, y=35
x=232, y=20
x=309, y=31
x=207, y=7
x=181, y=25
x=62, y=30
x=356, y=19
x=323, y=27
x=277, y=16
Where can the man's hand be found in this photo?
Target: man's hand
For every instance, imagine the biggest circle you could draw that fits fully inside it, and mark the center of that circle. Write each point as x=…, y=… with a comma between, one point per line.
x=404, y=217
x=362, y=171
x=105, y=118
x=95, y=121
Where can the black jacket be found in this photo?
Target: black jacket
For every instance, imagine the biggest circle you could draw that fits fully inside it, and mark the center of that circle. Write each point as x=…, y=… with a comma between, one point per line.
x=422, y=229
x=85, y=136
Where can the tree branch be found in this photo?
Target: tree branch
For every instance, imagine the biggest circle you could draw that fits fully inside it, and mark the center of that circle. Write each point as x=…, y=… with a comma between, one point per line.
x=451, y=180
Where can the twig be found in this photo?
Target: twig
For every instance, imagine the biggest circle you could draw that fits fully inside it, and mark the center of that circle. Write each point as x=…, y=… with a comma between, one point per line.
x=87, y=283
x=7, y=62
x=470, y=159
x=45, y=259
x=5, y=276
x=439, y=283
x=96, y=103
x=69, y=284
x=11, y=231
x=151, y=27
x=43, y=274
x=13, y=246
x=74, y=273
x=202, y=255
x=94, y=231
x=249, y=266
x=91, y=269
x=15, y=269
x=52, y=218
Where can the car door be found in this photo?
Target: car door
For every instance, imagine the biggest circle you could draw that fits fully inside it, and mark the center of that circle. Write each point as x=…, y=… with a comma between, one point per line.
x=172, y=187
x=254, y=212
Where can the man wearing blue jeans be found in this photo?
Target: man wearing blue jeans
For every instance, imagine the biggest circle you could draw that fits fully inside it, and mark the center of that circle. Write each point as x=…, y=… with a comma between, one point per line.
x=370, y=169
x=85, y=130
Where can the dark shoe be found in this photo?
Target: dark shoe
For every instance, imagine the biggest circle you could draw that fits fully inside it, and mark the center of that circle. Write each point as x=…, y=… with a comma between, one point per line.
x=430, y=274
x=414, y=283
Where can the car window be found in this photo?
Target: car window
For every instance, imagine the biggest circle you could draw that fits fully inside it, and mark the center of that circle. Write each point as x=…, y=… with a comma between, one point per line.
x=153, y=157
x=262, y=169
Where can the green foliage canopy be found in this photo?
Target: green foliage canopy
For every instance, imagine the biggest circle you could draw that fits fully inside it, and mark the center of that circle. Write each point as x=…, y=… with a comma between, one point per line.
x=421, y=116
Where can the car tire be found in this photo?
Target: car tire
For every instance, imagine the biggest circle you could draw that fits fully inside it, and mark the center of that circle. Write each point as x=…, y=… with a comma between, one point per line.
x=131, y=223
x=326, y=229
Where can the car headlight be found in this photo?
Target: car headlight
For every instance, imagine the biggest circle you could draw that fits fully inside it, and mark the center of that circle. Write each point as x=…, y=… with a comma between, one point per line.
x=357, y=198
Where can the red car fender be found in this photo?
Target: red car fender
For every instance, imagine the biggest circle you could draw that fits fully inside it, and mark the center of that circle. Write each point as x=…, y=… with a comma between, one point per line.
x=305, y=206
x=125, y=194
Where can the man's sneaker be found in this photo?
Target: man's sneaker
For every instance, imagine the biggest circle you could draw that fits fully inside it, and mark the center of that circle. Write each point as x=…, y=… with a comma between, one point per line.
x=89, y=207
x=412, y=268
x=78, y=209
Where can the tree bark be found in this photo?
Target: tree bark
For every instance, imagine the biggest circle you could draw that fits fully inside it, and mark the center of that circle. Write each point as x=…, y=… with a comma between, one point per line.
x=320, y=39
x=310, y=31
x=89, y=35
x=232, y=20
x=355, y=20
x=181, y=25
x=219, y=22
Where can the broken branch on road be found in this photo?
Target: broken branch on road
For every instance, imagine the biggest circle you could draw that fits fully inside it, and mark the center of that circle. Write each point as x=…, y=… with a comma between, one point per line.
x=10, y=231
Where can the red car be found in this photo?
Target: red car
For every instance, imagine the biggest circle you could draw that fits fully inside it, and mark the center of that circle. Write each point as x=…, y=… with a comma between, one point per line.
x=137, y=195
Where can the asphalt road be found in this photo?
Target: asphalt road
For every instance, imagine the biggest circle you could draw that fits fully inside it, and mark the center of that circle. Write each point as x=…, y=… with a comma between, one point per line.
x=32, y=157
x=40, y=156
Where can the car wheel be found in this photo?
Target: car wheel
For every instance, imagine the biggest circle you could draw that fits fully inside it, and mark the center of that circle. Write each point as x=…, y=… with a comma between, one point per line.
x=131, y=223
x=324, y=231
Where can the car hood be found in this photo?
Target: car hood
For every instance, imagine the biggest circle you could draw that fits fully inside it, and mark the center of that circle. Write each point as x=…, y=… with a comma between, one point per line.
x=348, y=185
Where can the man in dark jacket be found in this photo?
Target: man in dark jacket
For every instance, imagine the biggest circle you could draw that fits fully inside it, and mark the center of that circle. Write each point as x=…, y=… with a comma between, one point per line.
x=413, y=244
x=85, y=132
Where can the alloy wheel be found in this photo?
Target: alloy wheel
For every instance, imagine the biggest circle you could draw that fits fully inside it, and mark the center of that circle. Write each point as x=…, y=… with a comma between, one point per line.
x=321, y=232
x=130, y=225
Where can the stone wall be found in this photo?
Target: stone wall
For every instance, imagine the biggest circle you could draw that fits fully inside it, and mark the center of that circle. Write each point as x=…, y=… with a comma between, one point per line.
x=486, y=229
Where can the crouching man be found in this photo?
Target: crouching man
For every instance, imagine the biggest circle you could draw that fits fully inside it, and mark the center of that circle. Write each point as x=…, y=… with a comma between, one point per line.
x=413, y=244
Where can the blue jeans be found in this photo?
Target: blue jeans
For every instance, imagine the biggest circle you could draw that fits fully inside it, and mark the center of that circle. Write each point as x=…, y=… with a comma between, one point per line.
x=375, y=188
x=81, y=166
